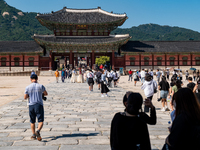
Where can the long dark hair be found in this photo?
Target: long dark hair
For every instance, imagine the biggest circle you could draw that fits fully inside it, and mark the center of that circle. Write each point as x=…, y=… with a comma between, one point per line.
x=187, y=102
x=178, y=84
x=164, y=79
x=134, y=103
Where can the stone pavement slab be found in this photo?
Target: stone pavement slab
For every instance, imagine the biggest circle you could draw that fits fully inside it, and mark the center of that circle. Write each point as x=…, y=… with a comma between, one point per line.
x=74, y=119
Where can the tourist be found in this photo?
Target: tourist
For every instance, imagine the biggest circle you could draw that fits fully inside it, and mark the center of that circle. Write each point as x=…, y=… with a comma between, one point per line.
x=194, y=75
x=101, y=66
x=191, y=84
x=149, y=88
x=80, y=77
x=90, y=77
x=70, y=73
x=98, y=76
x=63, y=75
x=142, y=73
x=73, y=79
x=151, y=72
x=158, y=74
x=109, y=76
x=104, y=88
x=135, y=77
x=180, y=75
x=167, y=74
x=164, y=91
x=32, y=72
x=129, y=129
x=66, y=73
x=115, y=78
x=184, y=133
x=130, y=75
x=175, y=89
x=56, y=75
x=151, y=120
x=186, y=75
x=34, y=92
x=197, y=75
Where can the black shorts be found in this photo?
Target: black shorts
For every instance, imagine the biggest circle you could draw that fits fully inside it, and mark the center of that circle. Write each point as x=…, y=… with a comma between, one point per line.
x=36, y=110
x=90, y=81
x=115, y=80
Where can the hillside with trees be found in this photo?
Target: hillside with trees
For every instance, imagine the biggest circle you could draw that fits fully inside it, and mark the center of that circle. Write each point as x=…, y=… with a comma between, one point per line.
x=154, y=32
x=16, y=25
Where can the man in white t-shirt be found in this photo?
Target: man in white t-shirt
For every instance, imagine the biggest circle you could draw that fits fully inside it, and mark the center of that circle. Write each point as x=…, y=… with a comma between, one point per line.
x=142, y=76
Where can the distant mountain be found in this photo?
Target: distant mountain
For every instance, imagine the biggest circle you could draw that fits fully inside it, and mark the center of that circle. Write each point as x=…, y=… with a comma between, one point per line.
x=16, y=25
x=154, y=32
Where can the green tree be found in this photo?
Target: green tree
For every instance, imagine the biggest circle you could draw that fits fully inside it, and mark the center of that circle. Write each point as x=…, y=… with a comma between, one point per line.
x=102, y=60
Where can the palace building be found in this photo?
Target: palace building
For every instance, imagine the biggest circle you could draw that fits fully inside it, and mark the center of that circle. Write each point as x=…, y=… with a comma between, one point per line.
x=86, y=34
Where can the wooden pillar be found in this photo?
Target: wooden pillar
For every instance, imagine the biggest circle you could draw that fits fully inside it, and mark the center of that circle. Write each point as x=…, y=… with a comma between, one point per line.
x=140, y=61
x=113, y=59
x=153, y=61
x=38, y=62
x=23, y=62
x=191, y=59
x=93, y=59
x=50, y=60
x=10, y=62
x=165, y=60
x=88, y=61
x=76, y=61
x=124, y=61
x=178, y=61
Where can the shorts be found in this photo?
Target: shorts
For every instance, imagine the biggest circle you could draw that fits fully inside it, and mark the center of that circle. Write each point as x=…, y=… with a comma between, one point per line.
x=115, y=80
x=36, y=110
x=90, y=81
x=163, y=94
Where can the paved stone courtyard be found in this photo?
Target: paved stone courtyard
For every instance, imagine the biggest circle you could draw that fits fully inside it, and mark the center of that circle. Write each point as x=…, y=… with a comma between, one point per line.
x=74, y=119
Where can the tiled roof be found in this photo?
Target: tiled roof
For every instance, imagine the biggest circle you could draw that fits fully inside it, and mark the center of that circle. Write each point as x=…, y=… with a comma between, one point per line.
x=161, y=46
x=81, y=16
x=19, y=46
x=82, y=40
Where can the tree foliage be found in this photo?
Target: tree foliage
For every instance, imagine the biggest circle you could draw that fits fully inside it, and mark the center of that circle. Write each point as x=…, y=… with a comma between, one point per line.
x=154, y=32
x=102, y=60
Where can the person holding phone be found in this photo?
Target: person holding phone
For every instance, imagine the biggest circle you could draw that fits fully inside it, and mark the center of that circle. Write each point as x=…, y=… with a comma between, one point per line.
x=129, y=128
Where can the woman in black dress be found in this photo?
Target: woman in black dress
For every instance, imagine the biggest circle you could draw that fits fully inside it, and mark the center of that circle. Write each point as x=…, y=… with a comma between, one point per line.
x=129, y=129
x=104, y=88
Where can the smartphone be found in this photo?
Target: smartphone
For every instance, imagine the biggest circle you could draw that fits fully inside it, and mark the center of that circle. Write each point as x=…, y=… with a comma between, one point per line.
x=146, y=108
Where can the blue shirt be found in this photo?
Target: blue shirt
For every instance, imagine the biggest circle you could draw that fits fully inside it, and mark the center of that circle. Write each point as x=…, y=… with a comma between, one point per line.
x=35, y=90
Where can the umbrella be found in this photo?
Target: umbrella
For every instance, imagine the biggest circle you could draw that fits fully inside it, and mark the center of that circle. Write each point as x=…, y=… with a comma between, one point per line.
x=193, y=69
x=178, y=69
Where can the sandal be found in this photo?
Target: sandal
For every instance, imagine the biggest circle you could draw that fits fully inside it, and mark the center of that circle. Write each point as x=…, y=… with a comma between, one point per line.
x=38, y=136
x=33, y=137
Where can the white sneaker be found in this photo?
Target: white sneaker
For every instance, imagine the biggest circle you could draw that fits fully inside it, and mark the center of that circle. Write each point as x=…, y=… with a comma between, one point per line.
x=102, y=95
x=107, y=95
x=163, y=109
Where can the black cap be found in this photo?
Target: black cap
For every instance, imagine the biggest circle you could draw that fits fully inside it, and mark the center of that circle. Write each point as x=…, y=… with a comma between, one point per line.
x=34, y=76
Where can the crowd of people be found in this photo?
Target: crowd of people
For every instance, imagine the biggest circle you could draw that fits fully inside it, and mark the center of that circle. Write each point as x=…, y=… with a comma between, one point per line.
x=129, y=129
x=184, y=133
x=101, y=76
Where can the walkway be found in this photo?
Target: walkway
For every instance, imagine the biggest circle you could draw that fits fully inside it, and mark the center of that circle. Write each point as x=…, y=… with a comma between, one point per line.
x=74, y=119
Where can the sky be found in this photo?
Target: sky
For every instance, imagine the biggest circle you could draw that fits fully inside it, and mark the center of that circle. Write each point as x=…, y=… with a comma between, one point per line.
x=181, y=13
